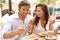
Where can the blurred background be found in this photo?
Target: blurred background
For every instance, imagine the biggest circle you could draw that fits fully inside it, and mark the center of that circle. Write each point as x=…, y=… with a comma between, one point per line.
x=11, y=6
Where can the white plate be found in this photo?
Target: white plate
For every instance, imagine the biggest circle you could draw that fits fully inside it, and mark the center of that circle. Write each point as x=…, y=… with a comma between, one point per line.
x=28, y=38
x=25, y=38
x=34, y=38
x=42, y=34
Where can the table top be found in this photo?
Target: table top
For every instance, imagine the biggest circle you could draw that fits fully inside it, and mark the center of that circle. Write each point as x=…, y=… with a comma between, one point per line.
x=43, y=38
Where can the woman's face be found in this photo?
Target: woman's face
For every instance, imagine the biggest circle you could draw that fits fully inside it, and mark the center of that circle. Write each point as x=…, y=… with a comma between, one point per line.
x=39, y=12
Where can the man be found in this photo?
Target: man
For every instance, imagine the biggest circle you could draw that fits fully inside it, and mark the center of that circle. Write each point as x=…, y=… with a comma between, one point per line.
x=16, y=25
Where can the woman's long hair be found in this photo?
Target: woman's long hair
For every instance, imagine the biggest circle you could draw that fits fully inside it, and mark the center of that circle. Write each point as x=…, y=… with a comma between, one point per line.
x=46, y=15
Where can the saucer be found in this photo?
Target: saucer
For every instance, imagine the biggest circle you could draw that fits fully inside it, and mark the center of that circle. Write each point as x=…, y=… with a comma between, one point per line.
x=50, y=38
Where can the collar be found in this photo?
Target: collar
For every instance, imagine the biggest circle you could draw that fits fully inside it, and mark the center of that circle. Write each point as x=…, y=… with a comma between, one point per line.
x=15, y=15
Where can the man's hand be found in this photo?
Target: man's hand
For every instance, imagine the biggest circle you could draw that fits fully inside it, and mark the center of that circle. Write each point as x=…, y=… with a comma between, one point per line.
x=20, y=31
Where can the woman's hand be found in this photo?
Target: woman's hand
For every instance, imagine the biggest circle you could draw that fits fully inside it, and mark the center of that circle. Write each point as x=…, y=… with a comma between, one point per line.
x=30, y=29
x=51, y=22
x=31, y=26
x=52, y=19
x=56, y=31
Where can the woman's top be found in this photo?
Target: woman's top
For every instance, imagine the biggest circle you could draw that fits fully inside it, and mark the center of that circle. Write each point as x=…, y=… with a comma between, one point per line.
x=39, y=29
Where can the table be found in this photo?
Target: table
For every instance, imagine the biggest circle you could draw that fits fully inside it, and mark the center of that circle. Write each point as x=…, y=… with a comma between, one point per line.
x=43, y=38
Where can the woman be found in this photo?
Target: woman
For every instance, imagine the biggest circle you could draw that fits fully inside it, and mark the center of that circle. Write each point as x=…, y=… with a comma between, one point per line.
x=42, y=22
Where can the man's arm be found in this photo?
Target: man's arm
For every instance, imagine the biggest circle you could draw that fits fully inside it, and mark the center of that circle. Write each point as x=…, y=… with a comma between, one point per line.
x=13, y=33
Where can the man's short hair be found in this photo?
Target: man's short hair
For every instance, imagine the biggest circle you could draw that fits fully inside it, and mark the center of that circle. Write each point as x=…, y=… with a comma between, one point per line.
x=23, y=3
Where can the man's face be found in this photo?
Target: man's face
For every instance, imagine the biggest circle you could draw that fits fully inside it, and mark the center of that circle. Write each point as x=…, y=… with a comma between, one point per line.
x=24, y=10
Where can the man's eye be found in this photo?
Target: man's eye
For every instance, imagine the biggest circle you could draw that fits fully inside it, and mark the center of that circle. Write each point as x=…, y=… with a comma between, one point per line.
x=23, y=9
x=39, y=11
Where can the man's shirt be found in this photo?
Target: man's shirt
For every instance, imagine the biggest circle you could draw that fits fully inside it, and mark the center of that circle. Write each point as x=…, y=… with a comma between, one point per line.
x=13, y=22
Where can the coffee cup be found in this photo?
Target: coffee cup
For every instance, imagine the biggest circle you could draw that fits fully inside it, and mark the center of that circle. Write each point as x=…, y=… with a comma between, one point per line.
x=50, y=33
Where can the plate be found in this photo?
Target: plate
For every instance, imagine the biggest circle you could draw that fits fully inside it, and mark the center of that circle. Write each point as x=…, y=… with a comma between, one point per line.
x=29, y=38
x=33, y=36
x=42, y=35
x=25, y=38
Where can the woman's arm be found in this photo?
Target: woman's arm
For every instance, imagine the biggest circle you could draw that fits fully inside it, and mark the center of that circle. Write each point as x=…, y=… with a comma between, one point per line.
x=51, y=22
x=50, y=26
